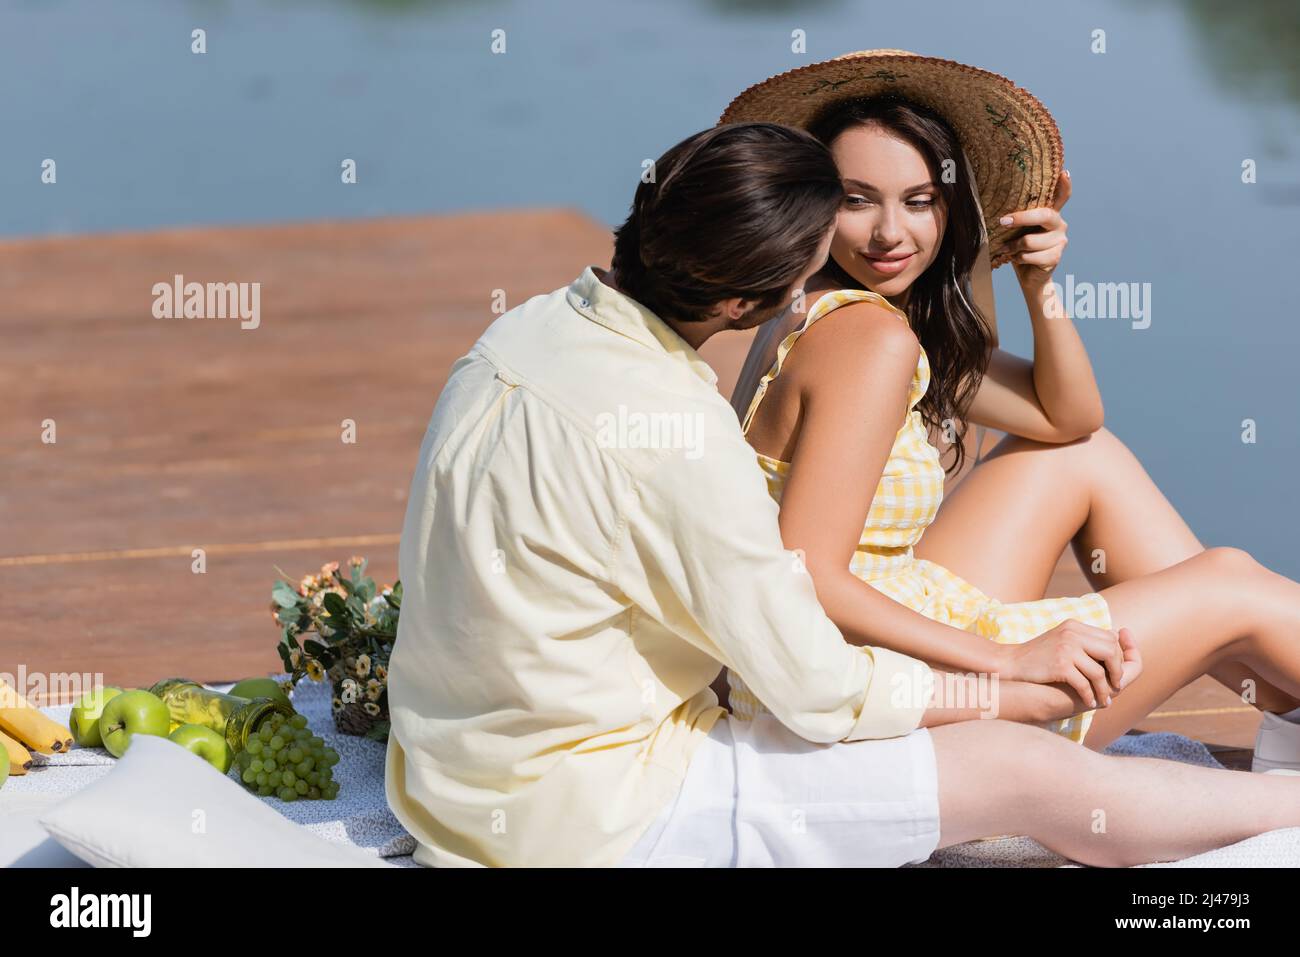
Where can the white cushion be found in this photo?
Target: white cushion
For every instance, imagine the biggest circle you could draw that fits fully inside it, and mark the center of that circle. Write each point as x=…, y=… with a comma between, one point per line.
x=23, y=842
x=162, y=806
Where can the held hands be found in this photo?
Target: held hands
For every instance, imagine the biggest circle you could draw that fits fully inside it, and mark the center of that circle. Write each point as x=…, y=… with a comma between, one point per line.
x=1038, y=252
x=1094, y=662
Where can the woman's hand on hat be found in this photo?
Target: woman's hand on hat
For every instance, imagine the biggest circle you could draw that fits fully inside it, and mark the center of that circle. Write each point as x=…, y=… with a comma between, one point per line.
x=1038, y=252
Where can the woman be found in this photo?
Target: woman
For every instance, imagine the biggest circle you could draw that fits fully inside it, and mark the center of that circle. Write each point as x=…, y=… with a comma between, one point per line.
x=857, y=490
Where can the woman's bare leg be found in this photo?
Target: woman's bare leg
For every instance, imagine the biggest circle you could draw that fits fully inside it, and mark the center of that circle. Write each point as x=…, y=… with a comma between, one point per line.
x=1000, y=777
x=1005, y=525
x=1216, y=607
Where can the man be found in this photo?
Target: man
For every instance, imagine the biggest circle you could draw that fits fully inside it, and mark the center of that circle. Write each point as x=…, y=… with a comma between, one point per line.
x=589, y=540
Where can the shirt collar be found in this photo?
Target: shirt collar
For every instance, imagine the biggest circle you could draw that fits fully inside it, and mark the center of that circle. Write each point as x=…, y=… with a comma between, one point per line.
x=621, y=313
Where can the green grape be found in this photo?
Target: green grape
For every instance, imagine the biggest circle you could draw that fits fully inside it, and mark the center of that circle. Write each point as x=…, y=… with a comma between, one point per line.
x=284, y=759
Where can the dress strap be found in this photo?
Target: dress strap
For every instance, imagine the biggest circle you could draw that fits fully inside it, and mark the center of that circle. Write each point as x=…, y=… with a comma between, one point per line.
x=826, y=303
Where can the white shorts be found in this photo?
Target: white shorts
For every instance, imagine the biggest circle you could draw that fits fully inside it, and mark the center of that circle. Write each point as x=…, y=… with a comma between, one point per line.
x=758, y=795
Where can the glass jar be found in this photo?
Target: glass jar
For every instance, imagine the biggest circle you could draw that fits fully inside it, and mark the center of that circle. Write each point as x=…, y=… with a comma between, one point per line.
x=235, y=718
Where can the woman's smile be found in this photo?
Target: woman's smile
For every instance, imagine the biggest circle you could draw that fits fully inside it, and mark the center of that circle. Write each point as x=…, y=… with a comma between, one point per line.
x=888, y=264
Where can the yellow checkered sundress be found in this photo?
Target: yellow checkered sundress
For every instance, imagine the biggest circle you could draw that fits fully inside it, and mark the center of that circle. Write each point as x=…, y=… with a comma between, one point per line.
x=905, y=503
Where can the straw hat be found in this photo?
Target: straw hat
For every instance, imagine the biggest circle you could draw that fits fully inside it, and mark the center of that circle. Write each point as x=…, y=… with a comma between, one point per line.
x=1010, y=139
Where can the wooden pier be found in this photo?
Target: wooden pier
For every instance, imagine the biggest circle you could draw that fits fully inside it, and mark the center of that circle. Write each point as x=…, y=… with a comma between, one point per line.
x=172, y=435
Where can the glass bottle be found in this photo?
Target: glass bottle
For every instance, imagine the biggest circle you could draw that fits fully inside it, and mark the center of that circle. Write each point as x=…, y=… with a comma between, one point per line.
x=233, y=717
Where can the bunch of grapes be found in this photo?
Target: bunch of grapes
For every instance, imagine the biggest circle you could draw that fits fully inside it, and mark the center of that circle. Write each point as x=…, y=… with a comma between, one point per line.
x=283, y=758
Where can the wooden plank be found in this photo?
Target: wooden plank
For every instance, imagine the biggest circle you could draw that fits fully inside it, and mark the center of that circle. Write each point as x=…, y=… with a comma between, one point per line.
x=179, y=433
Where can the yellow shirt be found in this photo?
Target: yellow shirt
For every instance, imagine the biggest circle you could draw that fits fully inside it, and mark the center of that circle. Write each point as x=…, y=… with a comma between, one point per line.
x=588, y=540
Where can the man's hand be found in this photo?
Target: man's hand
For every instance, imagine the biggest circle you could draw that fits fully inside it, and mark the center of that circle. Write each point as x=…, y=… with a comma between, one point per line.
x=1024, y=701
x=1089, y=660
x=1055, y=702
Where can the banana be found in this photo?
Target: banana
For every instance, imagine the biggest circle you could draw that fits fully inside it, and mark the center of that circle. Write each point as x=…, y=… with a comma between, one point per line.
x=19, y=759
x=24, y=721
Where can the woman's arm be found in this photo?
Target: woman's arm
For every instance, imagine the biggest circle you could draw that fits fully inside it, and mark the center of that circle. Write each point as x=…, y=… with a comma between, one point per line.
x=1055, y=397
x=853, y=375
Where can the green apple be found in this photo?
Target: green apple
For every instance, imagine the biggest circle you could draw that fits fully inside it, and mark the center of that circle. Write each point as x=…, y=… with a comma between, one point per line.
x=4, y=769
x=260, y=688
x=129, y=714
x=86, y=714
x=206, y=743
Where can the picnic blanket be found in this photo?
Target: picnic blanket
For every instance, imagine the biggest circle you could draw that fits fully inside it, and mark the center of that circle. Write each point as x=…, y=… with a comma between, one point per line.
x=360, y=815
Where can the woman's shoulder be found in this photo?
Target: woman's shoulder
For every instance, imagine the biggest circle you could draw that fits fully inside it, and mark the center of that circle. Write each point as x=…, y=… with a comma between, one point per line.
x=859, y=342
x=861, y=320
x=830, y=298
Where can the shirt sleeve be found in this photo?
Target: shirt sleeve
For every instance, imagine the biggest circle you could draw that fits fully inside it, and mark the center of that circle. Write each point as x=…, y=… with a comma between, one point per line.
x=700, y=550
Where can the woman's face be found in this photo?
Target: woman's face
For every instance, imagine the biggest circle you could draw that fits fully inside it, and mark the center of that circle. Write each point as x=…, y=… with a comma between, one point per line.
x=891, y=224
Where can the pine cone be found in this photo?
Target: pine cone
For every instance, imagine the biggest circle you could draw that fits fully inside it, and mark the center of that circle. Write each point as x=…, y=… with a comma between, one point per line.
x=353, y=719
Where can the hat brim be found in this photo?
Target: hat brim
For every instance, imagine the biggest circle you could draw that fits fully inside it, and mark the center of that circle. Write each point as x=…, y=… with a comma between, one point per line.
x=1010, y=138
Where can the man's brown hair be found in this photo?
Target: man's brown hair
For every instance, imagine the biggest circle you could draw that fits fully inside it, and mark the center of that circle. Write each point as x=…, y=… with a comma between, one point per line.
x=737, y=211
